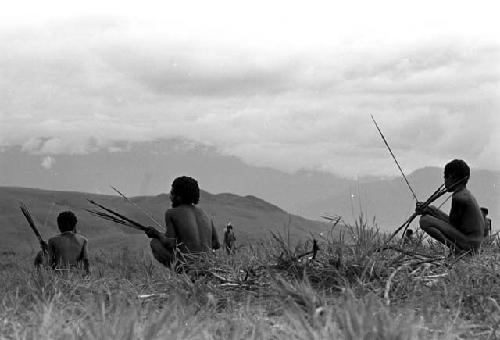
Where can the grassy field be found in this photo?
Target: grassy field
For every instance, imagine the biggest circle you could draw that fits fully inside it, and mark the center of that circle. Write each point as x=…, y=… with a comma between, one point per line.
x=264, y=291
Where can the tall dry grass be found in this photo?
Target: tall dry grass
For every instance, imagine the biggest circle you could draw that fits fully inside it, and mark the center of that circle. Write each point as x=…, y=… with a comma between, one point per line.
x=264, y=291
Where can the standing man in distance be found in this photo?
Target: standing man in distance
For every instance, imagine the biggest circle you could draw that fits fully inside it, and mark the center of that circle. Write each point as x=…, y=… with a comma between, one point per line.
x=189, y=229
x=229, y=239
x=463, y=229
x=487, y=222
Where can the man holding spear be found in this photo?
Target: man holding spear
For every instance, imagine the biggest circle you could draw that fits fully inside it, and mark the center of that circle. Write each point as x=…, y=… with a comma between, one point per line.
x=463, y=229
x=189, y=229
x=64, y=251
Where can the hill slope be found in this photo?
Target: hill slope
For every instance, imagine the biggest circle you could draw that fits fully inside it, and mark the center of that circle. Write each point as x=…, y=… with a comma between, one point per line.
x=252, y=217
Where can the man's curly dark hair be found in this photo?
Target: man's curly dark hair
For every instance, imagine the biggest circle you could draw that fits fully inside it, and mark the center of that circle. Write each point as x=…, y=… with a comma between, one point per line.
x=187, y=189
x=66, y=221
x=458, y=169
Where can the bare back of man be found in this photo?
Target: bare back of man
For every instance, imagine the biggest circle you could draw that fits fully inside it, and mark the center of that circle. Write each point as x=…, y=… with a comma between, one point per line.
x=192, y=228
x=66, y=250
x=189, y=229
x=69, y=249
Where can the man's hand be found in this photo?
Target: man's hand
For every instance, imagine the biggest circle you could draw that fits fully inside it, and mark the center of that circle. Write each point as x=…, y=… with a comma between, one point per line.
x=45, y=246
x=152, y=232
x=422, y=209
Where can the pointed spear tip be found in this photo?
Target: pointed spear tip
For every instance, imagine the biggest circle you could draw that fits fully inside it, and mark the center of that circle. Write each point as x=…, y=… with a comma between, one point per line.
x=118, y=191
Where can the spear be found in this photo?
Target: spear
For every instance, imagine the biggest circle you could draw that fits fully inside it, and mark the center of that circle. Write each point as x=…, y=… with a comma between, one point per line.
x=33, y=227
x=115, y=217
x=438, y=193
x=394, y=157
x=137, y=206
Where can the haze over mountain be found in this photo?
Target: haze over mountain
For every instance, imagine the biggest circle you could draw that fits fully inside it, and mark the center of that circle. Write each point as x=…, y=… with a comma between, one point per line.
x=147, y=168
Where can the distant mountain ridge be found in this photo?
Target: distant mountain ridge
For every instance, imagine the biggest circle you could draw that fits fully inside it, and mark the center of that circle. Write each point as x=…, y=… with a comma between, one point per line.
x=253, y=218
x=148, y=168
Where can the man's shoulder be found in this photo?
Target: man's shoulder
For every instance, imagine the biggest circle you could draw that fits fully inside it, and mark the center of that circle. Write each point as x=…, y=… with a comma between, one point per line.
x=66, y=235
x=185, y=209
x=176, y=211
x=81, y=237
x=54, y=239
x=463, y=195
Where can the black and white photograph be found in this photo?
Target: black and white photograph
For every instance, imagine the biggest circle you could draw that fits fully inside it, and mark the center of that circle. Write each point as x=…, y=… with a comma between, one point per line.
x=249, y=169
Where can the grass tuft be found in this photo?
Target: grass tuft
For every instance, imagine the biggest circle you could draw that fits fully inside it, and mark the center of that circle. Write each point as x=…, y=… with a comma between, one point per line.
x=353, y=289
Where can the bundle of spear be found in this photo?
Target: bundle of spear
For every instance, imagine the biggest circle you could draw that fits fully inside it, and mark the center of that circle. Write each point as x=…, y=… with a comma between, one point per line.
x=113, y=216
x=33, y=227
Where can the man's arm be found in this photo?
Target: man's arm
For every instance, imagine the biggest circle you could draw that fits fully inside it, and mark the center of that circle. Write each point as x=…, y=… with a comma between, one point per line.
x=215, y=238
x=52, y=254
x=458, y=207
x=431, y=210
x=168, y=239
x=85, y=257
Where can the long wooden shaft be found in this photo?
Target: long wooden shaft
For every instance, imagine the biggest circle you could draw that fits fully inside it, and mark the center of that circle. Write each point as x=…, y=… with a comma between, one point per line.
x=438, y=193
x=32, y=225
x=137, y=206
x=138, y=225
x=394, y=157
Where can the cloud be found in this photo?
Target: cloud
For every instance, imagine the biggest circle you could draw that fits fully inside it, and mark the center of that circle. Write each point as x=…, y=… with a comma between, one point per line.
x=198, y=71
x=84, y=85
x=48, y=162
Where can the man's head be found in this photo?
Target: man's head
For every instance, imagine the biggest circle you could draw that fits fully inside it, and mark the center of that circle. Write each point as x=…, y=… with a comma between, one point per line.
x=229, y=226
x=66, y=221
x=484, y=211
x=456, y=173
x=408, y=233
x=185, y=190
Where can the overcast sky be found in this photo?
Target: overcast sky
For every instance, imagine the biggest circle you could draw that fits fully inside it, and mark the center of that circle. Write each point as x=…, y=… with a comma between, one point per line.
x=280, y=84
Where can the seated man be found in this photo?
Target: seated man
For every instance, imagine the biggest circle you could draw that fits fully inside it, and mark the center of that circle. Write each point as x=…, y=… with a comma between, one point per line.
x=189, y=228
x=463, y=229
x=66, y=250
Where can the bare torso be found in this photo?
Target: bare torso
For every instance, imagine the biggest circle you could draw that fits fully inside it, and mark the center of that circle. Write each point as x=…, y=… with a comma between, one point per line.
x=465, y=214
x=67, y=249
x=192, y=228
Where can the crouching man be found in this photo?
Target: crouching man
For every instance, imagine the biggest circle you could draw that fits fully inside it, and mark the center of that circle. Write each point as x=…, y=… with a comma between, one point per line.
x=463, y=229
x=68, y=249
x=190, y=230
